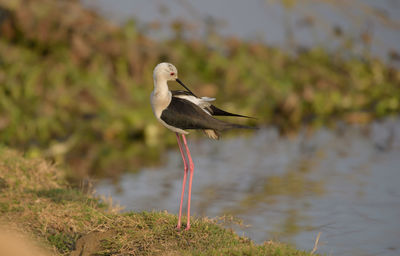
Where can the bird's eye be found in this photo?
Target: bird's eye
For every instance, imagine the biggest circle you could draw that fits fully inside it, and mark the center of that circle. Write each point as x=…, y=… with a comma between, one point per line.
x=172, y=73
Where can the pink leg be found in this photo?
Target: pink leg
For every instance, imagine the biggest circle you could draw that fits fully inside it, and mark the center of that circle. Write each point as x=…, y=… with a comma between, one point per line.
x=184, y=180
x=191, y=167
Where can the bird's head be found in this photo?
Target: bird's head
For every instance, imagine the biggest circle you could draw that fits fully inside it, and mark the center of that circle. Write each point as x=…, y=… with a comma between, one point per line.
x=168, y=72
x=165, y=71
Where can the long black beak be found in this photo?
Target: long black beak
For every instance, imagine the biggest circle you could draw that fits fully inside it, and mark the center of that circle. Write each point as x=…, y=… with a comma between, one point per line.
x=180, y=82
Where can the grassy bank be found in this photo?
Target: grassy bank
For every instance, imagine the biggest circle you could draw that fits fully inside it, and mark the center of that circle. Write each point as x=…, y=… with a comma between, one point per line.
x=36, y=199
x=75, y=88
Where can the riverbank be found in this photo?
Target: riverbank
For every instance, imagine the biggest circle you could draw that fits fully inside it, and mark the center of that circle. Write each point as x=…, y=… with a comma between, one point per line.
x=35, y=199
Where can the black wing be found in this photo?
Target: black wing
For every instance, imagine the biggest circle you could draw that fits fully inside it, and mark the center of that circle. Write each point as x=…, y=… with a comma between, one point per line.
x=184, y=114
x=213, y=110
x=180, y=92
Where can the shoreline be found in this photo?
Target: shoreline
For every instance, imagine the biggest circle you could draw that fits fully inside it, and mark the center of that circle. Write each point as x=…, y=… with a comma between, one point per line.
x=36, y=199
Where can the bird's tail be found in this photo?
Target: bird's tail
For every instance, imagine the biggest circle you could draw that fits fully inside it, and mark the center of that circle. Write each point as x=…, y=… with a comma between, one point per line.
x=219, y=112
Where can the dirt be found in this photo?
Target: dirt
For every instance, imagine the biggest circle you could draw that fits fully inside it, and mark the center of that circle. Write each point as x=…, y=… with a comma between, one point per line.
x=90, y=244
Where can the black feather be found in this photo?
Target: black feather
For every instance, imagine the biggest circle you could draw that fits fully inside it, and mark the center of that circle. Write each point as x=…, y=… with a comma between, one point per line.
x=184, y=114
x=213, y=110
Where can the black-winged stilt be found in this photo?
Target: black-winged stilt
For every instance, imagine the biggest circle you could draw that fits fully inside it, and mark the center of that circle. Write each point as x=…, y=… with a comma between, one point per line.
x=182, y=110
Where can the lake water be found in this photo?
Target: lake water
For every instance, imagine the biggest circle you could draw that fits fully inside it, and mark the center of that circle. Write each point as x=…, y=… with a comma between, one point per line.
x=342, y=182
x=268, y=21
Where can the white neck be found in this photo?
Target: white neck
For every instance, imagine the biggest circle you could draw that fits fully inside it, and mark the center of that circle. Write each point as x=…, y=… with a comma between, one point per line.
x=160, y=87
x=160, y=97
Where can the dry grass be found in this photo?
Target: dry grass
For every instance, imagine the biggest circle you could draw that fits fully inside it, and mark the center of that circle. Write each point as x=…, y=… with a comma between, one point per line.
x=316, y=243
x=36, y=199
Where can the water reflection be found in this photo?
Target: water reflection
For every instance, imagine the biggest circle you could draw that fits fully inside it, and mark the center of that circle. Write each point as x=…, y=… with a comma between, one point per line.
x=341, y=182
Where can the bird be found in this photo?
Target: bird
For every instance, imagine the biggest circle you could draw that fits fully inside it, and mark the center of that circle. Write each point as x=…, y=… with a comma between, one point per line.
x=182, y=110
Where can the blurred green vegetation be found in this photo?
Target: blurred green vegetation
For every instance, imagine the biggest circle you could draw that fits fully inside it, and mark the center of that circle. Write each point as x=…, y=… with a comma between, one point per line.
x=75, y=88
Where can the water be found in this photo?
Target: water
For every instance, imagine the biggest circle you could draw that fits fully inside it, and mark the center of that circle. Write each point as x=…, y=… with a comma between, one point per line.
x=343, y=183
x=267, y=21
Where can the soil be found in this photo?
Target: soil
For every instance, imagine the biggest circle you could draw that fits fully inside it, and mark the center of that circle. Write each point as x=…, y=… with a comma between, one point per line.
x=90, y=244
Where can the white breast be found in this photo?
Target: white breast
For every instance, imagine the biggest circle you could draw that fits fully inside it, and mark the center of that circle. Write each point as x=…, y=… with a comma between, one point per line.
x=159, y=103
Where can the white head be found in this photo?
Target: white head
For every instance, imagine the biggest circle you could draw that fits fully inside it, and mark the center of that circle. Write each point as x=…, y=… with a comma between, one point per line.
x=165, y=72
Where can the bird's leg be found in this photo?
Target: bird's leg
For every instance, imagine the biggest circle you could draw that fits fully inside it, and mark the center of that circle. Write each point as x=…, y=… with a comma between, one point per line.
x=191, y=167
x=184, y=179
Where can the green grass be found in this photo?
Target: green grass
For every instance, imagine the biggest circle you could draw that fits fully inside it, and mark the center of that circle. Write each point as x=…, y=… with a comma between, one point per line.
x=36, y=199
x=75, y=88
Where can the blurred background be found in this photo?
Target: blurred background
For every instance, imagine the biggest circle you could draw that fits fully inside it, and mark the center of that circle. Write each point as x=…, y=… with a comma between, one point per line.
x=321, y=76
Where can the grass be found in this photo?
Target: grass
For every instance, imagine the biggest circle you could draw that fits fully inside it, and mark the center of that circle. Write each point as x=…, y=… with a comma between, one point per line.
x=36, y=199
